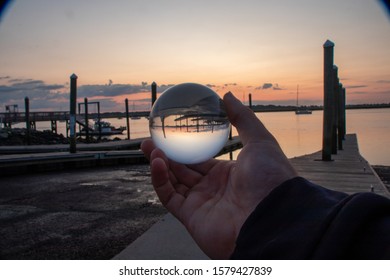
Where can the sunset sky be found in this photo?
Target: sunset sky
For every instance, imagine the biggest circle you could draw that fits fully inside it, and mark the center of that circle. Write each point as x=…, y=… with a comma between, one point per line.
x=118, y=48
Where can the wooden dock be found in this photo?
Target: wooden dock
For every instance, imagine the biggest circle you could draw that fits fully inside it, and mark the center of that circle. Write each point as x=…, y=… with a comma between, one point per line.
x=81, y=147
x=15, y=160
x=348, y=172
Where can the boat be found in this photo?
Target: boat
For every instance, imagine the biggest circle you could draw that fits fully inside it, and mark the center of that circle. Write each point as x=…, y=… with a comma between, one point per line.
x=301, y=110
x=135, y=117
x=102, y=128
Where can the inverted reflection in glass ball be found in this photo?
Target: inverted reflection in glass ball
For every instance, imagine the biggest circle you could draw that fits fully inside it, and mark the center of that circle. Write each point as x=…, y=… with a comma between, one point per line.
x=189, y=123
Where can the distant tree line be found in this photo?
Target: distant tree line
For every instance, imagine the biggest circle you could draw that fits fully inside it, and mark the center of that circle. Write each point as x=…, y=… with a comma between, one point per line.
x=281, y=108
x=255, y=108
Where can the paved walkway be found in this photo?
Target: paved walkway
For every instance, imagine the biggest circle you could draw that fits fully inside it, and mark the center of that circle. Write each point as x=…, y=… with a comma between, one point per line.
x=348, y=172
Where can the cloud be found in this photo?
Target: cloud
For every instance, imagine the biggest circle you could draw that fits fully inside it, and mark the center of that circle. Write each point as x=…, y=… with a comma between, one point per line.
x=357, y=92
x=15, y=90
x=108, y=90
x=230, y=84
x=383, y=81
x=274, y=86
x=55, y=96
x=357, y=86
x=112, y=90
x=267, y=85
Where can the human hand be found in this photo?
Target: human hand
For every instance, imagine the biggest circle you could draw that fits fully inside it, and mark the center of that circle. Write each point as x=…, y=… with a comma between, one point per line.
x=213, y=199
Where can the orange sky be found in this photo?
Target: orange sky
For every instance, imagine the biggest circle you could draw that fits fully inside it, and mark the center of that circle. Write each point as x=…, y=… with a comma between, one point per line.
x=266, y=48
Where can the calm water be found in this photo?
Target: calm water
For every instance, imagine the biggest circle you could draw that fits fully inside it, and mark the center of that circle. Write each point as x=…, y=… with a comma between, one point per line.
x=300, y=134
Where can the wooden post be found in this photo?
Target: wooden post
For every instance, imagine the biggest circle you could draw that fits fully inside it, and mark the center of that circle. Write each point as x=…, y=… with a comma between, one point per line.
x=328, y=101
x=340, y=134
x=154, y=92
x=343, y=116
x=99, y=121
x=335, y=106
x=72, y=113
x=86, y=127
x=27, y=117
x=250, y=100
x=67, y=128
x=127, y=118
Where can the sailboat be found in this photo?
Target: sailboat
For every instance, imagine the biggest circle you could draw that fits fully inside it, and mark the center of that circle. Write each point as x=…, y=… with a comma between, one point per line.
x=298, y=110
x=135, y=117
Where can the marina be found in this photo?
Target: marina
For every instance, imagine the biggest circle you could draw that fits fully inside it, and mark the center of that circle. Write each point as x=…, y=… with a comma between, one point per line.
x=334, y=161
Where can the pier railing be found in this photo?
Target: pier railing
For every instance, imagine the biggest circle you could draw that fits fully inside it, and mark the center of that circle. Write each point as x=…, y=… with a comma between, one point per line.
x=16, y=117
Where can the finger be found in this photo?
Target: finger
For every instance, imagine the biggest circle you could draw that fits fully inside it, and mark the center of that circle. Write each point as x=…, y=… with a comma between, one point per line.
x=179, y=173
x=147, y=146
x=184, y=174
x=151, y=152
x=167, y=194
x=249, y=127
x=157, y=153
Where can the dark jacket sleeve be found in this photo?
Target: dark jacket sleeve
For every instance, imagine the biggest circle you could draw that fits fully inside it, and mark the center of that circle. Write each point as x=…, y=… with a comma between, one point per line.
x=301, y=220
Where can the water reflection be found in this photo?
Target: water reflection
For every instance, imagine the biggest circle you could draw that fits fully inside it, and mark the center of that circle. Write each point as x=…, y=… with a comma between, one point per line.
x=297, y=134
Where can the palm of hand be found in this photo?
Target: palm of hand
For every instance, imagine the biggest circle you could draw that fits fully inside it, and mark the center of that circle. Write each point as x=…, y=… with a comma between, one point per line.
x=209, y=208
x=213, y=199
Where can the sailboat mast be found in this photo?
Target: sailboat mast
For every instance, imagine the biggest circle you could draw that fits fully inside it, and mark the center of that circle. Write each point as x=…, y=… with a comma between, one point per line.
x=297, y=94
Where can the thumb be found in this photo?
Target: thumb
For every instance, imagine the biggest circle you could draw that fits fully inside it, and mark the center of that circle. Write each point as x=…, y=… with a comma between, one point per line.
x=249, y=127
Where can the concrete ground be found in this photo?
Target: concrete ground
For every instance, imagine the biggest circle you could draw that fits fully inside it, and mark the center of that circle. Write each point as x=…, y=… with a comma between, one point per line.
x=83, y=214
x=90, y=213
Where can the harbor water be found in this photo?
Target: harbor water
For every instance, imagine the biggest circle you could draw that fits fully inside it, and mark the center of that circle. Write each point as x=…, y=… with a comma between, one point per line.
x=297, y=134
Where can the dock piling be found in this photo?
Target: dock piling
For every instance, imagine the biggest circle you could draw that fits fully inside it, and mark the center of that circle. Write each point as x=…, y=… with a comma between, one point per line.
x=328, y=101
x=154, y=92
x=86, y=119
x=127, y=118
x=335, y=106
x=340, y=113
x=28, y=124
x=72, y=114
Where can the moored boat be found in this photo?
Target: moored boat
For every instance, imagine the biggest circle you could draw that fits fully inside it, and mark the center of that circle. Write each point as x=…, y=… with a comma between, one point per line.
x=301, y=110
x=102, y=128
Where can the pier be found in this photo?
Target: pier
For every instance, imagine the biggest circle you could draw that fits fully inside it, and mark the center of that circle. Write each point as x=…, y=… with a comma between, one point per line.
x=16, y=160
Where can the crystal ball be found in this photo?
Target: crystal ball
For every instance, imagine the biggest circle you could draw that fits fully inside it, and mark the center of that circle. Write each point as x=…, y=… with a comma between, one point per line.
x=189, y=123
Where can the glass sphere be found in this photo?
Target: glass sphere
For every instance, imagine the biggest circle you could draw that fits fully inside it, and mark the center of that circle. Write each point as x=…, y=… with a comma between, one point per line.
x=189, y=123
